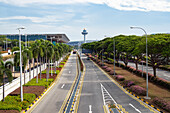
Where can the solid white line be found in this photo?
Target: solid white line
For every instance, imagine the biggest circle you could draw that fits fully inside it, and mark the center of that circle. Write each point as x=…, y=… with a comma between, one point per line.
x=134, y=108
x=62, y=86
x=69, y=72
x=90, y=106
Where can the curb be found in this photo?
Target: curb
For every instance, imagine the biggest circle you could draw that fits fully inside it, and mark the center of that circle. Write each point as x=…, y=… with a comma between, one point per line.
x=39, y=97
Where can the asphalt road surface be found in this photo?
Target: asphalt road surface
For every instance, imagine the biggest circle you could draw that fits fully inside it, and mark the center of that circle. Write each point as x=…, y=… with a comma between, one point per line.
x=159, y=72
x=53, y=101
x=91, y=96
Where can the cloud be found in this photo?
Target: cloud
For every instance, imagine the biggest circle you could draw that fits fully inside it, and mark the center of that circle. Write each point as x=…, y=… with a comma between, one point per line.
x=130, y=5
x=34, y=19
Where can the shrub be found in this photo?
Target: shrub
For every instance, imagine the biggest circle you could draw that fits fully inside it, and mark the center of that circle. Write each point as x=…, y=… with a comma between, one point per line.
x=112, y=72
x=62, y=62
x=120, y=78
x=14, y=102
x=108, y=69
x=104, y=67
x=61, y=66
x=138, y=90
x=41, y=82
x=128, y=83
x=162, y=103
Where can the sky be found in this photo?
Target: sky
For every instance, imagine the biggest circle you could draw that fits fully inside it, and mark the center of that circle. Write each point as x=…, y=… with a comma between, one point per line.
x=101, y=18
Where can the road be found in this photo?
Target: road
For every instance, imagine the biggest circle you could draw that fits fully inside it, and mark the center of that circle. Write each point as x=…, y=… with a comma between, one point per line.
x=92, y=92
x=53, y=101
x=160, y=73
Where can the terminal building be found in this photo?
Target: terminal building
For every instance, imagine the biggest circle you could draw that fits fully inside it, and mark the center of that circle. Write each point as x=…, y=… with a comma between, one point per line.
x=59, y=38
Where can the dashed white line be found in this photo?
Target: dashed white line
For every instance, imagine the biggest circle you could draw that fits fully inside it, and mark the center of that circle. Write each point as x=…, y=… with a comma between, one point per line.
x=134, y=108
x=69, y=72
x=90, y=106
x=62, y=86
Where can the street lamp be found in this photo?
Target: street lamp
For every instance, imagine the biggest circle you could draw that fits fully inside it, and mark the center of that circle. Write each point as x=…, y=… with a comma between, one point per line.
x=114, y=56
x=26, y=46
x=51, y=59
x=20, y=62
x=146, y=61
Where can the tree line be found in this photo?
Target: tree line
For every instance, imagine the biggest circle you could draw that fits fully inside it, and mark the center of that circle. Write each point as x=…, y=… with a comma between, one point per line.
x=40, y=51
x=133, y=48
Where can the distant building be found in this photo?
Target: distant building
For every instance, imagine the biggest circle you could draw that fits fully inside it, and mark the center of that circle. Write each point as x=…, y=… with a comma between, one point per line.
x=62, y=38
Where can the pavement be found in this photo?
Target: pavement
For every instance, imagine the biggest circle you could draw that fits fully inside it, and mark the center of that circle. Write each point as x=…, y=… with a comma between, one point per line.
x=54, y=99
x=159, y=72
x=92, y=99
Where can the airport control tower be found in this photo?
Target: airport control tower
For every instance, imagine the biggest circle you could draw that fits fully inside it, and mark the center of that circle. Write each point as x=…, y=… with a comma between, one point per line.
x=84, y=33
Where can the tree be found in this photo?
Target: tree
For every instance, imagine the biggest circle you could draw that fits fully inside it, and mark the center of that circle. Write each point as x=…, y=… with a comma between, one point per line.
x=5, y=71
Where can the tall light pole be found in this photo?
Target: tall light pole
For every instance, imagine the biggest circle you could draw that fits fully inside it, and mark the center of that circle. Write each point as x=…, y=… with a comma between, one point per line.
x=51, y=59
x=26, y=46
x=114, y=55
x=146, y=61
x=20, y=62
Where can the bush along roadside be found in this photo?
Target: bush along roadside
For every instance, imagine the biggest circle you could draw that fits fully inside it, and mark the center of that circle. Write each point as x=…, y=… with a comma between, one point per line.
x=13, y=102
x=130, y=85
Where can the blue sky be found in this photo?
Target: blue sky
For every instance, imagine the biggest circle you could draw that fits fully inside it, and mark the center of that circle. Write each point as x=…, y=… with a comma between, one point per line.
x=100, y=17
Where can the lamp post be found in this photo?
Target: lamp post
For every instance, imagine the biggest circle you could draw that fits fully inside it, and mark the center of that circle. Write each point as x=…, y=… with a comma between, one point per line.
x=51, y=59
x=20, y=62
x=26, y=46
x=114, y=56
x=146, y=61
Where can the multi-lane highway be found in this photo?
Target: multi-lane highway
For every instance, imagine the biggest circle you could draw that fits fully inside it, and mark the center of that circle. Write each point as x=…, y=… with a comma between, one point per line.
x=98, y=89
x=52, y=102
x=95, y=81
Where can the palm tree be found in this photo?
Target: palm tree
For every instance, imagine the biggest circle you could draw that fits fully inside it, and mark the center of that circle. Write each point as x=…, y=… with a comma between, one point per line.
x=5, y=71
x=56, y=57
x=27, y=56
x=36, y=50
x=48, y=53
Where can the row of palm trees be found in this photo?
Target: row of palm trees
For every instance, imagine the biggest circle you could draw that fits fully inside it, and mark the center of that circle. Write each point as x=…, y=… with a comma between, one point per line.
x=41, y=51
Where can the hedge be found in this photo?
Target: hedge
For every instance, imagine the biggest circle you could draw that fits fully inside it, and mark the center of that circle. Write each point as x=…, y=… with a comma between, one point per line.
x=41, y=82
x=162, y=103
x=120, y=77
x=138, y=90
x=14, y=102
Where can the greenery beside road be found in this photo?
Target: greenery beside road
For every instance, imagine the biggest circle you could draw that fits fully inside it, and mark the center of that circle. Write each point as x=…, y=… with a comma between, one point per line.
x=14, y=102
x=41, y=82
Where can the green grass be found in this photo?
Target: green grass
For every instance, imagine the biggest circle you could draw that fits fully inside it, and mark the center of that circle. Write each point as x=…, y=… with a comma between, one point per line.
x=14, y=102
x=62, y=62
x=41, y=82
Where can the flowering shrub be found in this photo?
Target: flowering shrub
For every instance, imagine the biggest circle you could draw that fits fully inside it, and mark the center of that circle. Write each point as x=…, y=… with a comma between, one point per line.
x=112, y=72
x=162, y=103
x=120, y=77
x=138, y=90
x=108, y=69
x=104, y=67
x=128, y=83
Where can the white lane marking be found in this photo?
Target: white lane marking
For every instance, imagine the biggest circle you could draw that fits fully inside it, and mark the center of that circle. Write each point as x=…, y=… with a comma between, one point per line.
x=69, y=72
x=134, y=108
x=62, y=86
x=90, y=106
